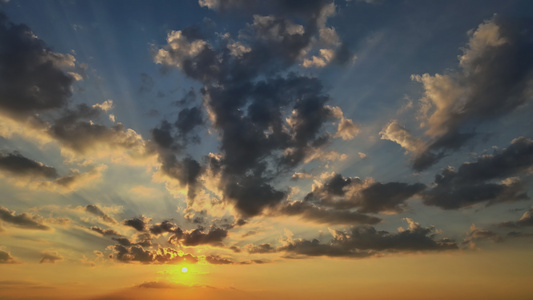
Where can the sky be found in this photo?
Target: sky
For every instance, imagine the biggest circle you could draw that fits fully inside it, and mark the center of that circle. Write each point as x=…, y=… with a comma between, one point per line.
x=283, y=149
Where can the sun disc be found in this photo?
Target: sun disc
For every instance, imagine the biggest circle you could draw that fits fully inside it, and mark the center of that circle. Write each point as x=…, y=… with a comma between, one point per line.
x=184, y=269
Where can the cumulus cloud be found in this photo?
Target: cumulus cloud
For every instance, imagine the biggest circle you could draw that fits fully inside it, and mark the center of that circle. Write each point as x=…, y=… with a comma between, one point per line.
x=475, y=182
x=32, y=75
x=137, y=253
x=366, y=195
x=35, y=100
x=495, y=76
x=138, y=224
x=23, y=220
x=200, y=236
x=397, y=133
x=214, y=236
x=268, y=122
x=364, y=241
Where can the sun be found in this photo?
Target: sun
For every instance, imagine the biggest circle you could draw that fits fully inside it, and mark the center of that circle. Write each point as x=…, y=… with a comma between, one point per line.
x=184, y=270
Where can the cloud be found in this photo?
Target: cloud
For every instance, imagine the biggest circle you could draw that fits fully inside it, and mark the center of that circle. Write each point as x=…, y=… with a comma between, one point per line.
x=32, y=75
x=29, y=173
x=75, y=130
x=476, y=234
x=366, y=195
x=495, y=76
x=262, y=248
x=6, y=258
x=322, y=215
x=16, y=164
x=397, y=133
x=218, y=260
x=525, y=221
x=364, y=241
x=23, y=220
x=104, y=232
x=214, y=236
x=195, y=237
x=95, y=210
x=268, y=122
x=50, y=257
x=137, y=253
x=138, y=224
x=474, y=182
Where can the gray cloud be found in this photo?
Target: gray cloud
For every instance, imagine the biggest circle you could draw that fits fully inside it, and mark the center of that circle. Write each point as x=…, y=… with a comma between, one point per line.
x=17, y=164
x=525, y=221
x=262, y=248
x=137, y=253
x=23, y=220
x=473, y=182
x=30, y=72
x=368, y=197
x=138, y=223
x=364, y=241
x=322, y=215
x=267, y=123
x=493, y=79
x=214, y=236
x=95, y=210
x=104, y=232
x=218, y=260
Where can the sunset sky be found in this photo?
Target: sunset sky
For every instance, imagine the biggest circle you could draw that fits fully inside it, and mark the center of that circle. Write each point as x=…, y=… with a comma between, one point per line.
x=281, y=149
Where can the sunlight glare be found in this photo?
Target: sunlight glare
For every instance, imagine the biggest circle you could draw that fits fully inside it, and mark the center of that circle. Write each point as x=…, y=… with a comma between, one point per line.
x=184, y=270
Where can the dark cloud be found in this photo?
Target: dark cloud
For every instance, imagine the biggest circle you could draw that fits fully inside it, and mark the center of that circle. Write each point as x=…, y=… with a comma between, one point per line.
x=138, y=223
x=186, y=171
x=345, y=193
x=23, y=220
x=104, y=232
x=31, y=74
x=262, y=248
x=137, y=253
x=162, y=135
x=473, y=182
x=322, y=215
x=525, y=221
x=81, y=135
x=123, y=241
x=50, y=257
x=214, y=236
x=188, y=119
x=95, y=210
x=199, y=236
x=188, y=98
x=495, y=75
x=6, y=258
x=163, y=227
x=364, y=241
x=218, y=260
x=17, y=164
x=267, y=123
